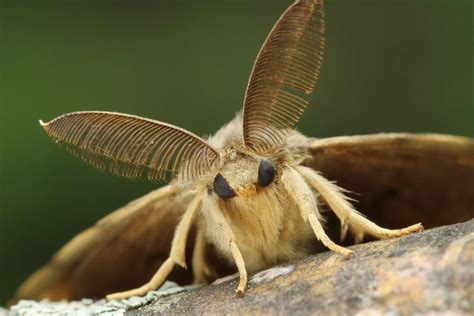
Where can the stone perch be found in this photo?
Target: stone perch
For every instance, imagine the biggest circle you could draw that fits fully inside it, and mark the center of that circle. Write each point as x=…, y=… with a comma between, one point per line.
x=431, y=271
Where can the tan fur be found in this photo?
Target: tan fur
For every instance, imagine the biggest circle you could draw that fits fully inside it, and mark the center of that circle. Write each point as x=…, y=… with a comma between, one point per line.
x=308, y=208
x=350, y=219
x=254, y=226
x=202, y=268
x=177, y=254
x=264, y=226
x=227, y=238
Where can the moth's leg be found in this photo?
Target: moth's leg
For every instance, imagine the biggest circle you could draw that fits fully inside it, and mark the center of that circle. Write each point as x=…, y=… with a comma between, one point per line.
x=177, y=253
x=228, y=236
x=239, y=261
x=158, y=279
x=306, y=201
x=202, y=271
x=349, y=217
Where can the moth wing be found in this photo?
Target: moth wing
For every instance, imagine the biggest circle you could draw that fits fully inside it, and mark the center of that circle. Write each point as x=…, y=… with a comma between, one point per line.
x=121, y=251
x=401, y=179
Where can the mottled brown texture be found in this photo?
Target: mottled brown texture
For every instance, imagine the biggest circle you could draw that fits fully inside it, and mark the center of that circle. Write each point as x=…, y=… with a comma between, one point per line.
x=424, y=272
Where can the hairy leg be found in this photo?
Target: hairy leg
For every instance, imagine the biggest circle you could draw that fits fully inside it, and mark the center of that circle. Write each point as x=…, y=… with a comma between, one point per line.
x=301, y=193
x=350, y=219
x=202, y=271
x=177, y=254
x=227, y=234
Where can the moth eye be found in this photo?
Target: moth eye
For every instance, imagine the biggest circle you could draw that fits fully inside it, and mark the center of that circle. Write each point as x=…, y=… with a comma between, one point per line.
x=222, y=188
x=266, y=173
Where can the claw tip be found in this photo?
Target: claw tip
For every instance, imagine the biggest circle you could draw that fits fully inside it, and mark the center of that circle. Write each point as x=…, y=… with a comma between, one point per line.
x=239, y=293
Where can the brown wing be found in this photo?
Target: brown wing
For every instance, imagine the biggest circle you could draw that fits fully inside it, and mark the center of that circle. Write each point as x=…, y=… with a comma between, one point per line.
x=122, y=251
x=401, y=179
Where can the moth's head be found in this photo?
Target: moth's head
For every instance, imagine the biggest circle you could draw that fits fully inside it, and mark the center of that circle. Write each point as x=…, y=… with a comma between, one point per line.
x=243, y=174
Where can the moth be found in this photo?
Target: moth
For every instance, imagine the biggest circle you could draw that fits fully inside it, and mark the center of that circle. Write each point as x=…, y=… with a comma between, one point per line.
x=247, y=198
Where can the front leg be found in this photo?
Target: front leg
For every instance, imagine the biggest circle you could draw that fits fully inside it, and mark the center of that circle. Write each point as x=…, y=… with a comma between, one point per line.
x=349, y=217
x=202, y=270
x=177, y=253
x=304, y=198
x=227, y=234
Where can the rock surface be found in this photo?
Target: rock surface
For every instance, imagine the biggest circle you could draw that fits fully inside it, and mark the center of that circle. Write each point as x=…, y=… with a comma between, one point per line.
x=431, y=271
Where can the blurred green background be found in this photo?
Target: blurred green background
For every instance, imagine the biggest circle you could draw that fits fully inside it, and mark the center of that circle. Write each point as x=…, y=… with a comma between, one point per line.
x=390, y=66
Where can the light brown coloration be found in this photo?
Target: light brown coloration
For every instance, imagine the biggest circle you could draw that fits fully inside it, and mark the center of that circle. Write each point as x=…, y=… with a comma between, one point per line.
x=300, y=192
x=399, y=177
x=81, y=268
x=178, y=251
x=126, y=247
x=286, y=70
x=248, y=225
x=131, y=146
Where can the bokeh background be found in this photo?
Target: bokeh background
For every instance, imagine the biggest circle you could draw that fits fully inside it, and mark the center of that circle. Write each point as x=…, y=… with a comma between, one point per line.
x=393, y=65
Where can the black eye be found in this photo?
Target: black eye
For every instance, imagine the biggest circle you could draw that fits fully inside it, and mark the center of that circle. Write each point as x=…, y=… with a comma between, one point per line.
x=222, y=188
x=266, y=173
